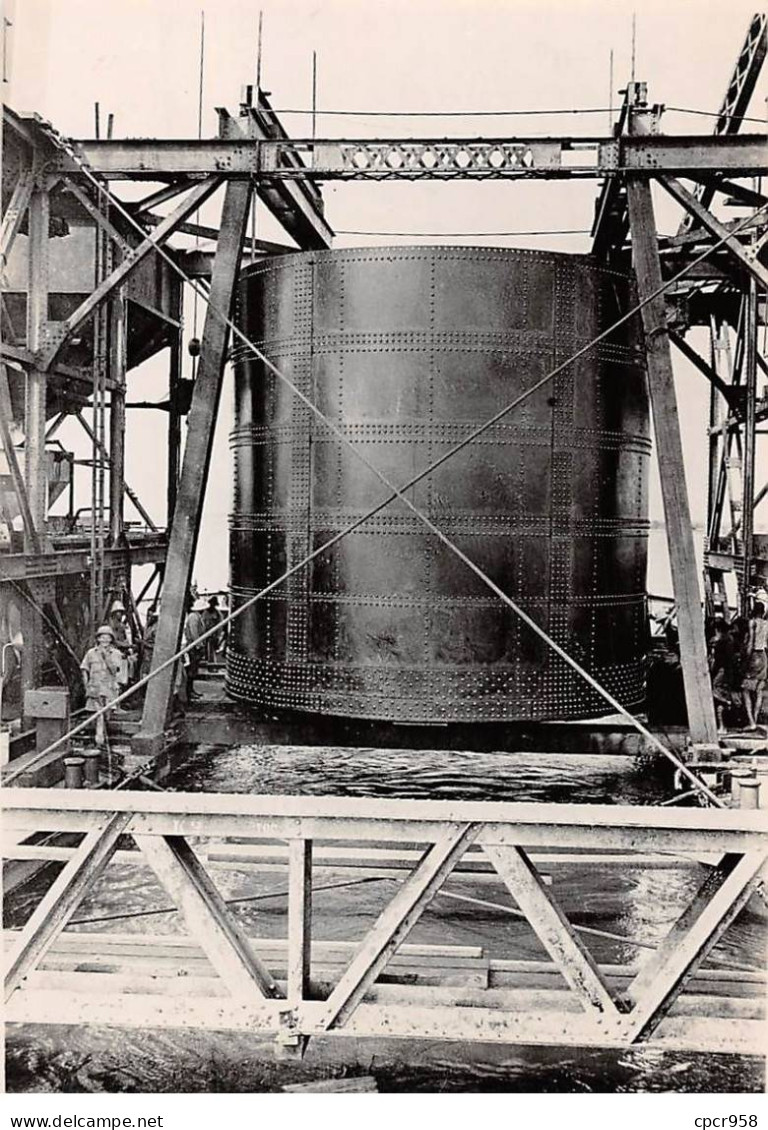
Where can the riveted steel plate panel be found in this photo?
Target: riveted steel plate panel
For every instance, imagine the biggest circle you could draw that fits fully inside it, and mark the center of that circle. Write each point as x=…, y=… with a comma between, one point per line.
x=408, y=350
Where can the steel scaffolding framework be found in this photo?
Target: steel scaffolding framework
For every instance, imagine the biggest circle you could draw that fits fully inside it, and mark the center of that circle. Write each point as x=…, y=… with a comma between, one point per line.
x=724, y=290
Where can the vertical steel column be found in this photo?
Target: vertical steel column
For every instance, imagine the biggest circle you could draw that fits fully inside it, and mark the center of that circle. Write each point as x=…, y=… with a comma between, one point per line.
x=174, y=424
x=682, y=558
x=118, y=332
x=714, y=424
x=749, y=329
x=197, y=455
x=702, y=723
x=34, y=416
x=710, y=578
x=37, y=319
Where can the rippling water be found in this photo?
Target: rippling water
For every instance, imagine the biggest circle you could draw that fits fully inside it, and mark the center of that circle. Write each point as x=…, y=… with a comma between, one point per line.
x=639, y=905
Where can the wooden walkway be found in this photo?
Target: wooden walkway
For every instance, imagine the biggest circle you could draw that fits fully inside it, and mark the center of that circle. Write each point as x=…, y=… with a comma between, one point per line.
x=382, y=985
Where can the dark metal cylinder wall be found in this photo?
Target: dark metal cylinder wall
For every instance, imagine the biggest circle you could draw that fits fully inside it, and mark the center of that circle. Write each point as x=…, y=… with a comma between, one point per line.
x=408, y=350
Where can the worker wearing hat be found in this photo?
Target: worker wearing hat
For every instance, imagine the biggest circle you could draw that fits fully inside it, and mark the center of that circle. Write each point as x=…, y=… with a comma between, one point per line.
x=104, y=675
x=194, y=627
x=123, y=641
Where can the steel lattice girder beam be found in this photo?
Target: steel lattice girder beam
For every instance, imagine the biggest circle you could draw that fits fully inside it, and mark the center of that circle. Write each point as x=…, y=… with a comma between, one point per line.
x=356, y=1004
x=740, y=89
x=396, y=921
x=422, y=159
x=722, y=895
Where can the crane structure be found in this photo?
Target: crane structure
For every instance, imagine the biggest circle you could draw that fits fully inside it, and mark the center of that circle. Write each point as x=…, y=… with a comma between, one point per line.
x=95, y=284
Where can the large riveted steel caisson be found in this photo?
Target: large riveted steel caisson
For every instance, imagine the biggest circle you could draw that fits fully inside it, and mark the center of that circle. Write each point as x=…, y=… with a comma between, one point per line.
x=408, y=350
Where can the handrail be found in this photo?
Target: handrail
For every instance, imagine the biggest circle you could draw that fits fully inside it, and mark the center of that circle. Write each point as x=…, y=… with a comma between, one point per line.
x=525, y=813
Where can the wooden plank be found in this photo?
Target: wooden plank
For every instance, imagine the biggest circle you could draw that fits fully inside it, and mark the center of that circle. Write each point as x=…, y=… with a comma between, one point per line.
x=396, y=921
x=682, y=558
x=60, y=901
x=74, y=944
x=299, y=918
x=721, y=897
x=357, y=1084
x=197, y=456
x=553, y=929
x=209, y=919
x=80, y=941
x=509, y=999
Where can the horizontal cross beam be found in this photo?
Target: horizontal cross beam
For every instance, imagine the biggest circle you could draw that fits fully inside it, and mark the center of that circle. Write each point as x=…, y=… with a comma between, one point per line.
x=69, y=561
x=615, y=827
x=406, y=1019
x=421, y=158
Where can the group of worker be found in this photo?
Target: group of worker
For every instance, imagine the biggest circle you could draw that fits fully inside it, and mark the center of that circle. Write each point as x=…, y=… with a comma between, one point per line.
x=739, y=664
x=201, y=618
x=112, y=665
x=738, y=658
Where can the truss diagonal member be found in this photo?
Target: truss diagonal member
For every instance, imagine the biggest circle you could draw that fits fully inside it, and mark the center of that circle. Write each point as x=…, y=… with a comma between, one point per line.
x=759, y=244
x=17, y=475
x=130, y=262
x=396, y=922
x=710, y=223
x=727, y=391
x=553, y=929
x=724, y=892
x=741, y=87
x=208, y=917
x=14, y=214
x=97, y=215
x=162, y=195
x=63, y=898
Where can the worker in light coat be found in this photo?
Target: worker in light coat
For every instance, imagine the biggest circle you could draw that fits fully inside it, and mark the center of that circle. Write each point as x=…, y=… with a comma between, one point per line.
x=104, y=675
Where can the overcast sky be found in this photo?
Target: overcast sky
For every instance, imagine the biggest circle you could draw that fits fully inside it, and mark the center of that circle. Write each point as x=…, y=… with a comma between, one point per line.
x=140, y=60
